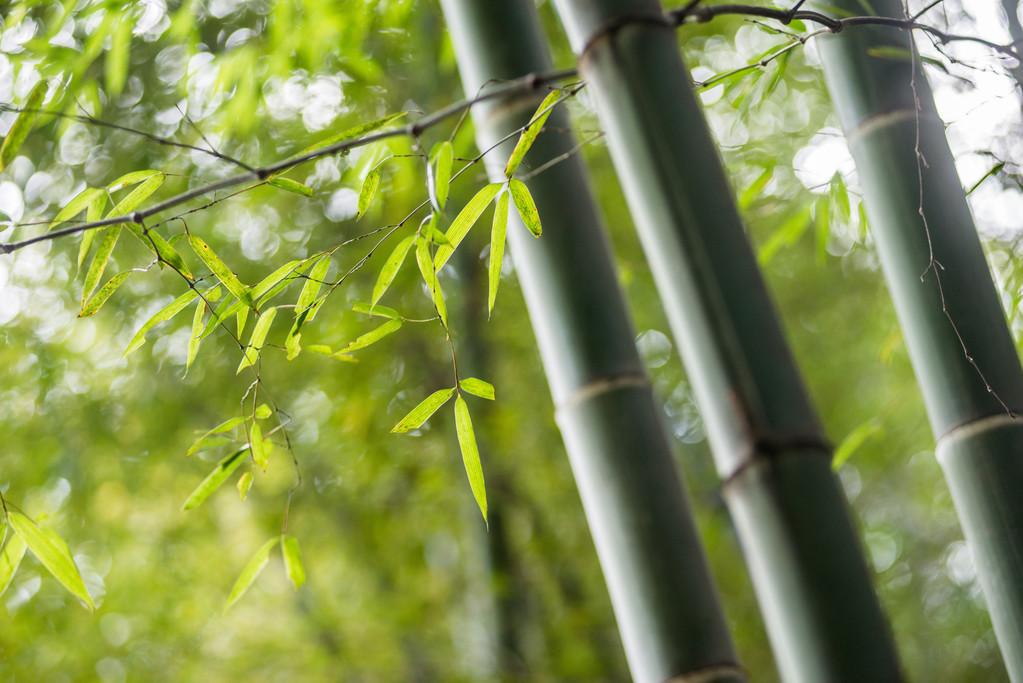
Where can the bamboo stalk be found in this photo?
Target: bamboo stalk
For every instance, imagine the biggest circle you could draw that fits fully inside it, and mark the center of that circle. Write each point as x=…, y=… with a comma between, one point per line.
x=661, y=590
x=804, y=556
x=955, y=329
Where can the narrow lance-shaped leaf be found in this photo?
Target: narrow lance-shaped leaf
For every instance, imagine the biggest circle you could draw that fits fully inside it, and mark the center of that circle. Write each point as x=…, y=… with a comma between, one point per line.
x=478, y=387
x=262, y=412
x=470, y=454
x=10, y=559
x=116, y=63
x=132, y=178
x=224, y=469
x=530, y=133
x=391, y=267
x=260, y=455
x=369, y=190
x=79, y=203
x=251, y=571
x=163, y=315
x=373, y=336
x=293, y=561
x=376, y=310
x=422, y=412
x=267, y=284
x=166, y=252
x=498, y=233
x=225, y=426
x=258, y=338
x=107, y=242
x=464, y=221
x=312, y=285
x=353, y=132
x=92, y=213
x=53, y=553
x=134, y=199
x=97, y=300
x=219, y=269
x=22, y=125
x=441, y=158
x=244, y=484
x=524, y=203
x=196, y=337
x=425, y=263
x=291, y=186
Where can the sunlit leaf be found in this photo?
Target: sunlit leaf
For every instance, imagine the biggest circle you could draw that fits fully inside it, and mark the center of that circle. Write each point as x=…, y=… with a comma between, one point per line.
x=260, y=454
x=441, y=159
x=478, y=387
x=425, y=263
x=116, y=64
x=264, y=287
x=422, y=412
x=470, y=454
x=352, y=133
x=524, y=203
x=376, y=309
x=132, y=178
x=464, y=221
x=219, y=269
x=22, y=125
x=498, y=233
x=373, y=336
x=244, y=484
x=291, y=186
x=134, y=199
x=312, y=285
x=195, y=338
x=53, y=553
x=293, y=561
x=530, y=133
x=163, y=315
x=251, y=571
x=223, y=470
x=391, y=267
x=10, y=558
x=369, y=190
x=225, y=426
x=79, y=203
x=262, y=412
x=854, y=440
x=97, y=300
x=258, y=338
x=107, y=242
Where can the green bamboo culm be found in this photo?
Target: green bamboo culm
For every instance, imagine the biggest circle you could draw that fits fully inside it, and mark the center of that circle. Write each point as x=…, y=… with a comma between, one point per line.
x=665, y=603
x=953, y=322
x=803, y=552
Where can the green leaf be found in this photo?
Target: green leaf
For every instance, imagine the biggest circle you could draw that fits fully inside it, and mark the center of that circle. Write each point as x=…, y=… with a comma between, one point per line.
x=79, y=203
x=422, y=412
x=312, y=285
x=92, y=213
x=196, y=336
x=223, y=470
x=262, y=412
x=53, y=553
x=267, y=284
x=222, y=312
x=107, y=242
x=22, y=125
x=524, y=203
x=219, y=268
x=369, y=190
x=116, y=64
x=478, y=387
x=244, y=484
x=132, y=178
x=497, y=238
x=163, y=315
x=166, y=252
x=352, y=133
x=293, y=561
x=439, y=177
x=994, y=170
x=752, y=193
x=291, y=186
x=293, y=342
x=853, y=440
x=530, y=133
x=391, y=267
x=260, y=455
x=258, y=338
x=372, y=337
x=470, y=454
x=425, y=263
x=376, y=310
x=10, y=559
x=464, y=221
x=225, y=426
x=97, y=300
x=134, y=199
x=251, y=571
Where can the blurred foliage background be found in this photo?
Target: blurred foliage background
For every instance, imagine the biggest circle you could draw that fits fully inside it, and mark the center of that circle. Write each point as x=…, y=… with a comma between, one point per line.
x=405, y=582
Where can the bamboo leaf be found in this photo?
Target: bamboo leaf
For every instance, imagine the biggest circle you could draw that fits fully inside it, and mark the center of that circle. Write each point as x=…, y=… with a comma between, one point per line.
x=442, y=157
x=262, y=412
x=97, y=300
x=217, y=476
x=470, y=454
x=10, y=559
x=22, y=125
x=163, y=315
x=464, y=221
x=132, y=178
x=222, y=312
x=312, y=285
x=107, y=242
x=134, y=199
x=92, y=213
x=260, y=455
x=244, y=484
x=196, y=336
x=854, y=440
x=391, y=267
x=261, y=291
x=258, y=338
x=219, y=269
x=524, y=203
x=422, y=412
x=253, y=568
x=79, y=203
x=372, y=337
x=369, y=190
x=291, y=186
x=225, y=426
x=498, y=233
x=353, y=132
x=116, y=63
x=53, y=553
x=376, y=310
x=293, y=561
x=426, y=263
x=478, y=387
x=530, y=133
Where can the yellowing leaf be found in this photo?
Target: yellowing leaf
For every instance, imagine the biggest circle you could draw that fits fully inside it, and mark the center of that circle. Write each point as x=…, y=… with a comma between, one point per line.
x=224, y=469
x=470, y=454
x=422, y=412
x=530, y=133
x=202, y=441
x=497, y=239
x=251, y=571
x=293, y=561
x=53, y=553
x=376, y=310
x=524, y=203
x=430, y=277
x=219, y=268
x=465, y=219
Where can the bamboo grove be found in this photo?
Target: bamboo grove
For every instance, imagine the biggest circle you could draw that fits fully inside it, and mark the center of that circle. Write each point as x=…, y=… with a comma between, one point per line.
x=799, y=539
